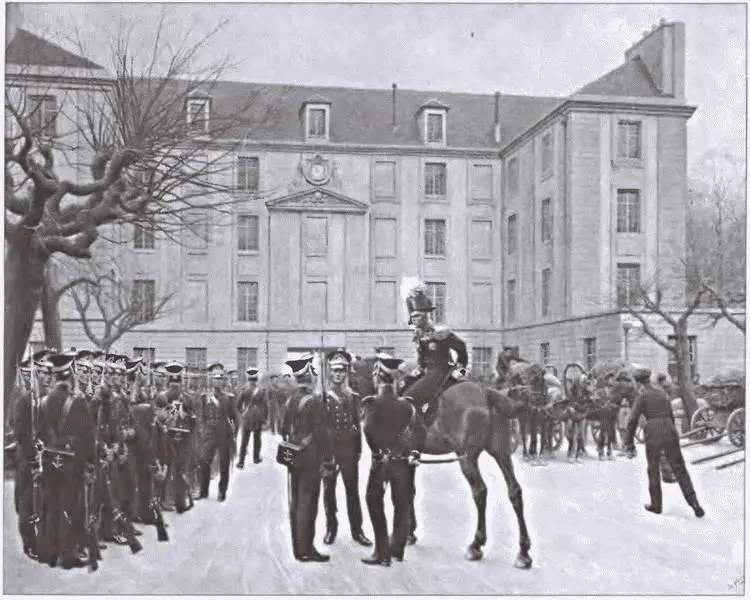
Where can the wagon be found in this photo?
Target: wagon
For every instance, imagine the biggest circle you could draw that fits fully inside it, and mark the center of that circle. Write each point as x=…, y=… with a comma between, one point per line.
x=724, y=412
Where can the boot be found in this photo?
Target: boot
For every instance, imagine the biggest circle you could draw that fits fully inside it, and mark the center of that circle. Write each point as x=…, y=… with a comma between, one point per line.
x=375, y=559
x=331, y=531
x=361, y=539
x=697, y=508
x=653, y=508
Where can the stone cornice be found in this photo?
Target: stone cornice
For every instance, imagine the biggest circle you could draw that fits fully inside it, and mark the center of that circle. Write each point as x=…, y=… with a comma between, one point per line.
x=58, y=81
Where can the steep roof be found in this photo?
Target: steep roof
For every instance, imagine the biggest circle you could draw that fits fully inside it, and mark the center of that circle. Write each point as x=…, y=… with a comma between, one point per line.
x=29, y=49
x=629, y=79
x=364, y=116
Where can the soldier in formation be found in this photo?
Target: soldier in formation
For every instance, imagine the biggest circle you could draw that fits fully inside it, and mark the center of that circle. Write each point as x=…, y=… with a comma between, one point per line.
x=253, y=406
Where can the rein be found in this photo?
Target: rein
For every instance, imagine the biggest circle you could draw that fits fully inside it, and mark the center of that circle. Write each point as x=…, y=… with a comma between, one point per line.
x=440, y=461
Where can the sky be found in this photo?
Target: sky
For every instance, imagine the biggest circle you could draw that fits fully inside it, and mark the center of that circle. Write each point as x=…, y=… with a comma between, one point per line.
x=529, y=49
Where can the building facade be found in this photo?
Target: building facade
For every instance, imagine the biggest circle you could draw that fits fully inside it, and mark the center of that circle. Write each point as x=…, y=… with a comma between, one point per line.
x=531, y=220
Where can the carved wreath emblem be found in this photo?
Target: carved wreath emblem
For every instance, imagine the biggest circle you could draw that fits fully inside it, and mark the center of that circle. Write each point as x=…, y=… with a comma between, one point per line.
x=317, y=170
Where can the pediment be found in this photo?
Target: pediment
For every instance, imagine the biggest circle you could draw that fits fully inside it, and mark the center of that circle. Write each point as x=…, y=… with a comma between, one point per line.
x=317, y=200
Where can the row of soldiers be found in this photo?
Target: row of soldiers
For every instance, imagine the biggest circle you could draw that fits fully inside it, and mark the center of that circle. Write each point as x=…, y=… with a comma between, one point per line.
x=104, y=442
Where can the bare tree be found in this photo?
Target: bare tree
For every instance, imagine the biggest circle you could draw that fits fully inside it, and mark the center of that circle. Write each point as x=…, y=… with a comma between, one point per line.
x=109, y=302
x=150, y=165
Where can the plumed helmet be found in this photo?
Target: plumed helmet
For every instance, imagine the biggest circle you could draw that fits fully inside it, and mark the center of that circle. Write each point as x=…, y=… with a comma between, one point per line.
x=252, y=373
x=386, y=368
x=302, y=367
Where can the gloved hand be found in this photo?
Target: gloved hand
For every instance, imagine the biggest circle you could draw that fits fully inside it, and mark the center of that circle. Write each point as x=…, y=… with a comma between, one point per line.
x=414, y=456
x=378, y=457
x=417, y=373
x=459, y=373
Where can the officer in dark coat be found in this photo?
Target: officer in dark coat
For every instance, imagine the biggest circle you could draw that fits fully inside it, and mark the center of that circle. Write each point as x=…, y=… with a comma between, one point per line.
x=253, y=406
x=387, y=418
x=67, y=432
x=346, y=438
x=660, y=436
x=220, y=423
x=305, y=424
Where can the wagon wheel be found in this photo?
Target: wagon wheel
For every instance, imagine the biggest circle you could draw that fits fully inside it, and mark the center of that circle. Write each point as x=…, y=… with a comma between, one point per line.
x=736, y=427
x=566, y=379
x=704, y=417
x=558, y=433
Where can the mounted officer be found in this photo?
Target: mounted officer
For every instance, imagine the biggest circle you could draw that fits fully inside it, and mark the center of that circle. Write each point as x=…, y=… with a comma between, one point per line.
x=387, y=419
x=346, y=438
x=220, y=423
x=305, y=428
x=253, y=406
x=660, y=436
x=66, y=432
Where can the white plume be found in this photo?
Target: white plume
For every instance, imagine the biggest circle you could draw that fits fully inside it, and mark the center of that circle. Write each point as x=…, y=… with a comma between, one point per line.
x=408, y=284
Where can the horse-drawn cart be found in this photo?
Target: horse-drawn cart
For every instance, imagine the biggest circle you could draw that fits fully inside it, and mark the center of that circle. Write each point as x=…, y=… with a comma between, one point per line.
x=724, y=413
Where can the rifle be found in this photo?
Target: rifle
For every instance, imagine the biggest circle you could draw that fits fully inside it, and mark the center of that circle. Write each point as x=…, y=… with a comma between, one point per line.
x=154, y=507
x=92, y=510
x=36, y=519
x=118, y=516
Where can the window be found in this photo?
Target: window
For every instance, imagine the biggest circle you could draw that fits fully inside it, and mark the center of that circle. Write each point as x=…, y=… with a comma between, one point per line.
x=511, y=300
x=248, y=174
x=196, y=358
x=316, y=236
x=247, y=301
x=194, y=300
x=436, y=293
x=148, y=354
x=197, y=231
x=435, y=127
x=548, y=152
x=546, y=228
x=317, y=122
x=693, y=357
x=144, y=298
x=246, y=357
x=247, y=233
x=544, y=353
x=546, y=290
x=434, y=237
x=198, y=110
x=385, y=179
x=482, y=182
x=629, y=140
x=512, y=235
x=434, y=179
x=589, y=352
x=481, y=240
x=384, y=303
x=513, y=176
x=385, y=237
x=628, y=211
x=143, y=237
x=481, y=361
x=42, y=116
x=628, y=284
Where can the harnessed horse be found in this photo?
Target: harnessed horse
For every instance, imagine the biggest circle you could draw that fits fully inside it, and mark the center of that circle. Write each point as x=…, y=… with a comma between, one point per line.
x=470, y=419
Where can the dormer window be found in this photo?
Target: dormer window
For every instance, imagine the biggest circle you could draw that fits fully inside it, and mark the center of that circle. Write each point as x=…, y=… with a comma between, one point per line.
x=198, y=111
x=433, y=119
x=317, y=115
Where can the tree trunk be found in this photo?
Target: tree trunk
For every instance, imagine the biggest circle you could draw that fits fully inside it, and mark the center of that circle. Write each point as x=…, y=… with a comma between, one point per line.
x=684, y=376
x=51, y=314
x=24, y=279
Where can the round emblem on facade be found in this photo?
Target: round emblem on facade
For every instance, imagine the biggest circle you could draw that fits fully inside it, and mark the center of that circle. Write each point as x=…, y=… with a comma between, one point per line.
x=317, y=170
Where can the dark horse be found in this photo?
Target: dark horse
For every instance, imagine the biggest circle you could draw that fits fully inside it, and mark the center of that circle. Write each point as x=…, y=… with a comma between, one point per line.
x=469, y=420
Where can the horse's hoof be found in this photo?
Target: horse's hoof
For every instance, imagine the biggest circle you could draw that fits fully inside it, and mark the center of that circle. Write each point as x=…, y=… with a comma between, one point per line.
x=474, y=553
x=522, y=562
x=411, y=539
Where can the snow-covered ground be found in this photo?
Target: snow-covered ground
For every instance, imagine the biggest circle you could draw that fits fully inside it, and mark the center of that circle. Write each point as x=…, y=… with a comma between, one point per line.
x=590, y=535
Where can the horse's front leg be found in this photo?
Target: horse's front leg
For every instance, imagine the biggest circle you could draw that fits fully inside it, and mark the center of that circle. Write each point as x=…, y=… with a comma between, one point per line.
x=523, y=560
x=470, y=469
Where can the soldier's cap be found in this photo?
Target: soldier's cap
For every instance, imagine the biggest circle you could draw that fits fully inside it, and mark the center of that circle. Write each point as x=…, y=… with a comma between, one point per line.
x=131, y=366
x=25, y=364
x=252, y=373
x=232, y=373
x=642, y=374
x=339, y=357
x=39, y=356
x=386, y=368
x=301, y=366
x=174, y=369
x=61, y=363
x=216, y=370
x=417, y=300
x=285, y=371
x=83, y=358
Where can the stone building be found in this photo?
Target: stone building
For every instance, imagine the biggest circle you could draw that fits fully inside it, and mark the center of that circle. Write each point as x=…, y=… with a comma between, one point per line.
x=531, y=220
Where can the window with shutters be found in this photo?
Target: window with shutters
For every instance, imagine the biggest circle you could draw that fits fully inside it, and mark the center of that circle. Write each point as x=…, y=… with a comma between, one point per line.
x=511, y=300
x=143, y=237
x=512, y=234
x=544, y=353
x=546, y=228
x=628, y=284
x=435, y=129
x=436, y=293
x=246, y=357
x=589, y=352
x=248, y=174
x=434, y=237
x=628, y=211
x=629, y=140
x=144, y=300
x=435, y=179
x=196, y=358
x=481, y=361
x=318, y=126
x=198, y=112
x=247, y=233
x=247, y=301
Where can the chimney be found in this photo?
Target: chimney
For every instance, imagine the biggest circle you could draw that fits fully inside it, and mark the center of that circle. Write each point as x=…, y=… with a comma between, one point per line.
x=498, y=137
x=13, y=20
x=393, y=108
x=662, y=51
